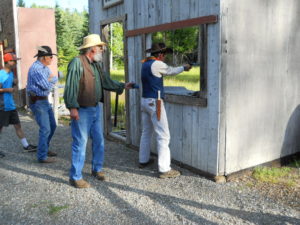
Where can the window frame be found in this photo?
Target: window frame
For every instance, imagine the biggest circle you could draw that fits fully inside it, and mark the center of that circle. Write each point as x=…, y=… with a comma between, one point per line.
x=202, y=22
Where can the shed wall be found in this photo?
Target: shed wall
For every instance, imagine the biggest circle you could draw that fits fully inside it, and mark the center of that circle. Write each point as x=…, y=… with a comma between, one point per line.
x=194, y=130
x=260, y=81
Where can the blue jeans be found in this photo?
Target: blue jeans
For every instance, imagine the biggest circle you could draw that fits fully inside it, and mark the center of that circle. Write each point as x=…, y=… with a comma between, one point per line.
x=88, y=125
x=44, y=117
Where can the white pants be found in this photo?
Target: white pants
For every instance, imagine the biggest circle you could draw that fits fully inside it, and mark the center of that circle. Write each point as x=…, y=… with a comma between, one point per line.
x=161, y=129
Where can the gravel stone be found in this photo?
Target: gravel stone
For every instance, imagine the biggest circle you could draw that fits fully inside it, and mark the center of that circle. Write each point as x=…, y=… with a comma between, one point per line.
x=34, y=193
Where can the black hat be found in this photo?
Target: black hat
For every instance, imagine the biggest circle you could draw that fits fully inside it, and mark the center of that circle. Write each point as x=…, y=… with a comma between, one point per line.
x=159, y=48
x=44, y=51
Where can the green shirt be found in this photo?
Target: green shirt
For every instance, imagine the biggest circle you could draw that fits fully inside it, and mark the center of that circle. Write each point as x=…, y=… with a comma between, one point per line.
x=102, y=81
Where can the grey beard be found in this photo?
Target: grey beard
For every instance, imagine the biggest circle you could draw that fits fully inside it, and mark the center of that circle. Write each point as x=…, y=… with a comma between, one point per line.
x=98, y=57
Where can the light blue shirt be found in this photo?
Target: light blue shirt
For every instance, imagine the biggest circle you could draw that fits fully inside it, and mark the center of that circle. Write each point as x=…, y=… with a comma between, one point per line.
x=37, y=82
x=6, y=99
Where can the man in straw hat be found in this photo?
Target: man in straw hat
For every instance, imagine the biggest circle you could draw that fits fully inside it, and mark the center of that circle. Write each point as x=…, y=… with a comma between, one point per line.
x=154, y=117
x=8, y=112
x=39, y=84
x=84, y=87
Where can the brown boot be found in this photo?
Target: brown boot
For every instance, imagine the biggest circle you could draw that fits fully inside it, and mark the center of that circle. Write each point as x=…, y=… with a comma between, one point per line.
x=170, y=174
x=79, y=183
x=48, y=160
x=99, y=175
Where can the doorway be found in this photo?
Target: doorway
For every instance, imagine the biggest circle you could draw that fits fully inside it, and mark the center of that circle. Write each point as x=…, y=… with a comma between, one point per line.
x=114, y=62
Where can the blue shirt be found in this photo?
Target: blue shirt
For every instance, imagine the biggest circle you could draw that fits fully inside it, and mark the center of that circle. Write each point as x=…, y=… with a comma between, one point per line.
x=6, y=99
x=37, y=82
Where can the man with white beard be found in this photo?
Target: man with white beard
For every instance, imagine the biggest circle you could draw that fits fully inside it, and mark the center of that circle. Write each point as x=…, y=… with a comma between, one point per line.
x=84, y=87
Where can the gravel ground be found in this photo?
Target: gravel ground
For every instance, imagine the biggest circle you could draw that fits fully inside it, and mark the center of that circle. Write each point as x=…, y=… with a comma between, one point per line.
x=33, y=193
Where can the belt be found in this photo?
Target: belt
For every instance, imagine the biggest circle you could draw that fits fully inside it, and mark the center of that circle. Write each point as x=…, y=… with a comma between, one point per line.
x=87, y=106
x=33, y=99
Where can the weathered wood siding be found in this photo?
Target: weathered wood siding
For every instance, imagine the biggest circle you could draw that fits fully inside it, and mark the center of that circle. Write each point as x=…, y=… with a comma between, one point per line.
x=260, y=81
x=7, y=21
x=194, y=130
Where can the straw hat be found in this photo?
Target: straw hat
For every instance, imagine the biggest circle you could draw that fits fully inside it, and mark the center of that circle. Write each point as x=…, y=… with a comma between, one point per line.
x=90, y=41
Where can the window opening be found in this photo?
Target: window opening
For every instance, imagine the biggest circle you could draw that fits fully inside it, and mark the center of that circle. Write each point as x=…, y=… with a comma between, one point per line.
x=185, y=44
x=115, y=57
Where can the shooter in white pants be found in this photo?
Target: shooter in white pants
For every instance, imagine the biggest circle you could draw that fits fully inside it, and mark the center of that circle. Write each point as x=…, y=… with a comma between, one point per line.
x=153, y=71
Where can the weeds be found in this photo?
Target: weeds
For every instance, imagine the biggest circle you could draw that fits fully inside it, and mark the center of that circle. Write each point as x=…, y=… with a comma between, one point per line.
x=55, y=209
x=283, y=175
x=52, y=209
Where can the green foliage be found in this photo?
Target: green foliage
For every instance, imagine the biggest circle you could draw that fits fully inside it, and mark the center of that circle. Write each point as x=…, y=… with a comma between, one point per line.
x=116, y=45
x=117, y=75
x=40, y=6
x=71, y=27
x=183, y=41
x=21, y=3
x=272, y=175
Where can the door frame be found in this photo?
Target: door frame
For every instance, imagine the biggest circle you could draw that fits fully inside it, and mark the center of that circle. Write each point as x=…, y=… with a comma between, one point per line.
x=107, y=105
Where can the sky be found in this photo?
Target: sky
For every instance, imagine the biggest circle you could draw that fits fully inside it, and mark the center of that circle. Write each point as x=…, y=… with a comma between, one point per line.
x=71, y=4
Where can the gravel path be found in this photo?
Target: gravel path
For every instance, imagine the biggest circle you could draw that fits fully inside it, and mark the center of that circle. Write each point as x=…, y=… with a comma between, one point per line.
x=33, y=193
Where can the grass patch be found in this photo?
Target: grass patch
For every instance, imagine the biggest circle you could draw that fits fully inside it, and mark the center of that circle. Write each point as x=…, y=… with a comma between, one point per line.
x=50, y=207
x=117, y=75
x=55, y=209
x=283, y=175
x=189, y=80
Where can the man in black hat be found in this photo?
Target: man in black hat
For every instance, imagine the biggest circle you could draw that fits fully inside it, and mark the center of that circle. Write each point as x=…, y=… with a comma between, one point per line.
x=154, y=117
x=39, y=84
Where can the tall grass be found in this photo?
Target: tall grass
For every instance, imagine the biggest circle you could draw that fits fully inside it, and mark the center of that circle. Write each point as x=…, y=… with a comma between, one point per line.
x=190, y=80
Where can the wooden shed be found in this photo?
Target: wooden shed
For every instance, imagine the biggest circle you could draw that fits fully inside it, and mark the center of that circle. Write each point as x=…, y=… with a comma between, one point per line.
x=246, y=112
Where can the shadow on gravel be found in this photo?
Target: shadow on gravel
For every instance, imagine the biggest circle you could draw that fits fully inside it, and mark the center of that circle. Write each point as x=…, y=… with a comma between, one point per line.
x=173, y=204
x=138, y=217
x=32, y=173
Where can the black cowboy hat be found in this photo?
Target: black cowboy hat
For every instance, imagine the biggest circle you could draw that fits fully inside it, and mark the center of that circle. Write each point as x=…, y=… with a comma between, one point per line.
x=159, y=48
x=44, y=51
